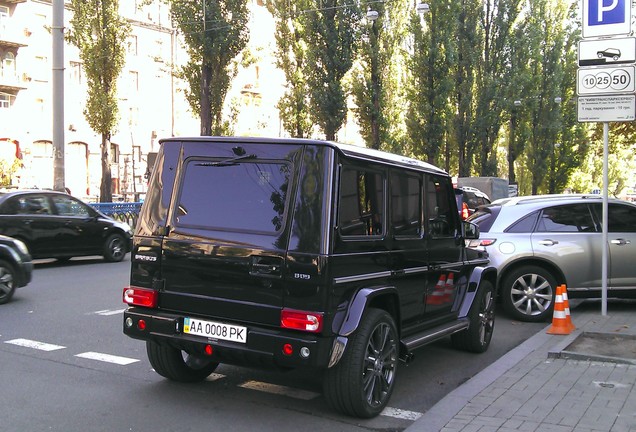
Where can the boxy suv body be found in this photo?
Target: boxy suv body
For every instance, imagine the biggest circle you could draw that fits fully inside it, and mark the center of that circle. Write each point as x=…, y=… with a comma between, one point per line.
x=302, y=253
x=542, y=241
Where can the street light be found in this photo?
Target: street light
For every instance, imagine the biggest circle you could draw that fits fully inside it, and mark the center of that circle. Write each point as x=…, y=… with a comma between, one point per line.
x=372, y=15
x=422, y=8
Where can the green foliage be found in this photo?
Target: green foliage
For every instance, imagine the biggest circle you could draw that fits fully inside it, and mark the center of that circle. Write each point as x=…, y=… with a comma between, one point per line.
x=373, y=79
x=215, y=33
x=99, y=32
x=291, y=58
x=331, y=34
x=8, y=169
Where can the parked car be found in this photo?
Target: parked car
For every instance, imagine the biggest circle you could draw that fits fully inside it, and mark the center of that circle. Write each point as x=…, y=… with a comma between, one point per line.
x=540, y=242
x=16, y=267
x=58, y=225
x=302, y=254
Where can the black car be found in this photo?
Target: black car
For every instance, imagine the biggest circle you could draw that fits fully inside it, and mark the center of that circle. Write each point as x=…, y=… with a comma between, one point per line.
x=302, y=254
x=58, y=225
x=16, y=267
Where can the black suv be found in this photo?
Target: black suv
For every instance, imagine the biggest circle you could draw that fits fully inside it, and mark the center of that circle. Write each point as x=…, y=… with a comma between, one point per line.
x=16, y=267
x=302, y=253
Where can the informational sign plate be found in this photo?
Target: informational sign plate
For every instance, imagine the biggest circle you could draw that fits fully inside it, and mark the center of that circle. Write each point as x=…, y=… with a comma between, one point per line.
x=621, y=108
x=606, y=17
x=600, y=52
x=609, y=80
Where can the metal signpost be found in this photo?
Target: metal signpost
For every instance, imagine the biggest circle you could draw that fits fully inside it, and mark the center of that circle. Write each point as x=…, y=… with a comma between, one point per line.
x=606, y=80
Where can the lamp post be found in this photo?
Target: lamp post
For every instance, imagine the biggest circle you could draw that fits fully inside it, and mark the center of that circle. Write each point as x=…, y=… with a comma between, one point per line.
x=512, y=149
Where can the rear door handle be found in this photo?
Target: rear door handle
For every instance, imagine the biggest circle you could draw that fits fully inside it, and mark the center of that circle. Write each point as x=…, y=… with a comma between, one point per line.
x=548, y=242
x=266, y=266
x=620, y=242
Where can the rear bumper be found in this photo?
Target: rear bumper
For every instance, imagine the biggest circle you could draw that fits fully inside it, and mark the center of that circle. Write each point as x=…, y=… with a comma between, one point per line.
x=264, y=347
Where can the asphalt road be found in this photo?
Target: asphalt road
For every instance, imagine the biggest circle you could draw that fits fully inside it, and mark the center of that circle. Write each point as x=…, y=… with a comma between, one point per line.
x=65, y=365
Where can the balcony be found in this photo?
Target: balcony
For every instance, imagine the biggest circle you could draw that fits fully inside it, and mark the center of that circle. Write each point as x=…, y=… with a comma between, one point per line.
x=10, y=37
x=11, y=82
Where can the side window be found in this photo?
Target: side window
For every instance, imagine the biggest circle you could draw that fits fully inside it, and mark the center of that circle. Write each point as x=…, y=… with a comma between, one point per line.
x=621, y=218
x=567, y=218
x=361, y=202
x=524, y=225
x=66, y=206
x=406, y=199
x=34, y=205
x=440, y=207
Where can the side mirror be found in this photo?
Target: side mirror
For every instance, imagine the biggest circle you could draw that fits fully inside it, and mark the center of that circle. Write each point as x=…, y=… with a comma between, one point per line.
x=471, y=230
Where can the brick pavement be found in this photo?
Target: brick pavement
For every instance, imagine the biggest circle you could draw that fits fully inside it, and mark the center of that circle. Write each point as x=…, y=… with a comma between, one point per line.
x=532, y=388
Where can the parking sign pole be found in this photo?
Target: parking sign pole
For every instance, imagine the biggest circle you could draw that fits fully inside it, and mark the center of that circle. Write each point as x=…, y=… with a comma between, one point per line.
x=605, y=215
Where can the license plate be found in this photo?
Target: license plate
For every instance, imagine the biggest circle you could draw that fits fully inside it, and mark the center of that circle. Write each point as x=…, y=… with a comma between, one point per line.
x=215, y=330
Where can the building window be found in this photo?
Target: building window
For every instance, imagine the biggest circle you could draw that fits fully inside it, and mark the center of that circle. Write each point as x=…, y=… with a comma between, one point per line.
x=133, y=76
x=76, y=72
x=114, y=153
x=132, y=45
x=6, y=100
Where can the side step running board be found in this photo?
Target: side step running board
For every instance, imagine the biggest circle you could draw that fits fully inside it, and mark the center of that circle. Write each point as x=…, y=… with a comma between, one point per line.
x=431, y=335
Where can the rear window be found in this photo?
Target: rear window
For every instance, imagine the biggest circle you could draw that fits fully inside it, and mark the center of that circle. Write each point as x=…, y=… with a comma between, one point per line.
x=484, y=217
x=245, y=196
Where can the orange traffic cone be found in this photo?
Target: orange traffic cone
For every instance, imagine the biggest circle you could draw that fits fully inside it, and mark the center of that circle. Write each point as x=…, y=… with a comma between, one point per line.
x=560, y=324
x=437, y=296
x=449, y=289
x=566, y=307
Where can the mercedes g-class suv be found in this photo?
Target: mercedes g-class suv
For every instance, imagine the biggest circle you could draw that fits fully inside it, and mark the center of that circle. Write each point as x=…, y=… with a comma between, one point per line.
x=302, y=254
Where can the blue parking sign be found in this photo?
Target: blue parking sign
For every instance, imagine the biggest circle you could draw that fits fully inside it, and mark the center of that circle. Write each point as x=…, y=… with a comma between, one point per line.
x=606, y=17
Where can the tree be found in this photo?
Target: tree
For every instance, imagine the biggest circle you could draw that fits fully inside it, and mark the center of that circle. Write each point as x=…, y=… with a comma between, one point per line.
x=430, y=81
x=100, y=34
x=215, y=33
x=291, y=58
x=373, y=86
x=331, y=33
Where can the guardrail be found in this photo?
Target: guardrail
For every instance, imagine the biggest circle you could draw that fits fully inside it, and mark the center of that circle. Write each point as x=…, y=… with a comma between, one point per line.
x=122, y=211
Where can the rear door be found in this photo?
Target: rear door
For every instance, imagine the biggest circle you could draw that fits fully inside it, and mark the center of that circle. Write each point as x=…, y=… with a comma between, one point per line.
x=224, y=255
x=567, y=235
x=445, y=257
x=621, y=226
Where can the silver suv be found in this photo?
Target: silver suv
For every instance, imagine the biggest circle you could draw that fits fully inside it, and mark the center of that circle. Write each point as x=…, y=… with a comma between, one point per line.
x=540, y=242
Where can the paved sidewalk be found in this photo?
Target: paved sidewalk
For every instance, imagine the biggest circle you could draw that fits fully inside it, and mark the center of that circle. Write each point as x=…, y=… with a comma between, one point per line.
x=551, y=383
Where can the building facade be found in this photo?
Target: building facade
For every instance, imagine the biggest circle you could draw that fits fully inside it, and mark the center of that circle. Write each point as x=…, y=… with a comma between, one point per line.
x=151, y=100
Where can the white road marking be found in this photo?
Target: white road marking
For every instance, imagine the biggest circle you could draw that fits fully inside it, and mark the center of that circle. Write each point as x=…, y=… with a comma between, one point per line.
x=214, y=377
x=401, y=414
x=279, y=390
x=108, y=312
x=107, y=358
x=27, y=343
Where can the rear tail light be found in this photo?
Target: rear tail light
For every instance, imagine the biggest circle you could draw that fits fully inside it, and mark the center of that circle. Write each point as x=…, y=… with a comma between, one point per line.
x=465, y=212
x=487, y=242
x=144, y=297
x=301, y=320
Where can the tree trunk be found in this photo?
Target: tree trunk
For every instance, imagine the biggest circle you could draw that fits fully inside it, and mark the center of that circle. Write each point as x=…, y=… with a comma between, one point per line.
x=206, y=110
x=105, y=188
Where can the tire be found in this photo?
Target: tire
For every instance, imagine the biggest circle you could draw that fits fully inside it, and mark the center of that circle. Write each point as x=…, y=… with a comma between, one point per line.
x=361, y=384
x=177, y=365
x=114, y=248
x=528, y=294
x=476, y=338
x=7, y=281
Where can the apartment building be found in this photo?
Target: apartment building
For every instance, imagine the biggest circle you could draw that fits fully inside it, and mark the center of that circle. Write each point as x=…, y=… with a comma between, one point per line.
x=151, y=101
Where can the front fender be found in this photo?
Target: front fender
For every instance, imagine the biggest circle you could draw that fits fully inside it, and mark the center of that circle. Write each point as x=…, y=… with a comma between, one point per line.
x=478, y=274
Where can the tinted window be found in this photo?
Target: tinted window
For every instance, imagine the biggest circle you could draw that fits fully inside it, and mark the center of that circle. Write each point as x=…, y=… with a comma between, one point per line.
x=245, y=196
x=485, y=217
x=568, y=218
x=524, y=225
x=67, y=206
x=441, y=208
x=27, y=205
x=406, y=201
x=621, y=218
x=361, y=202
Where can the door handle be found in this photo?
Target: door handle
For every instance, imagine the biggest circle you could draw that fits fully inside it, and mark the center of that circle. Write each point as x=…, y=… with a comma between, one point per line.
x=620, y=242
x=548, y=242
x=266, y=266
